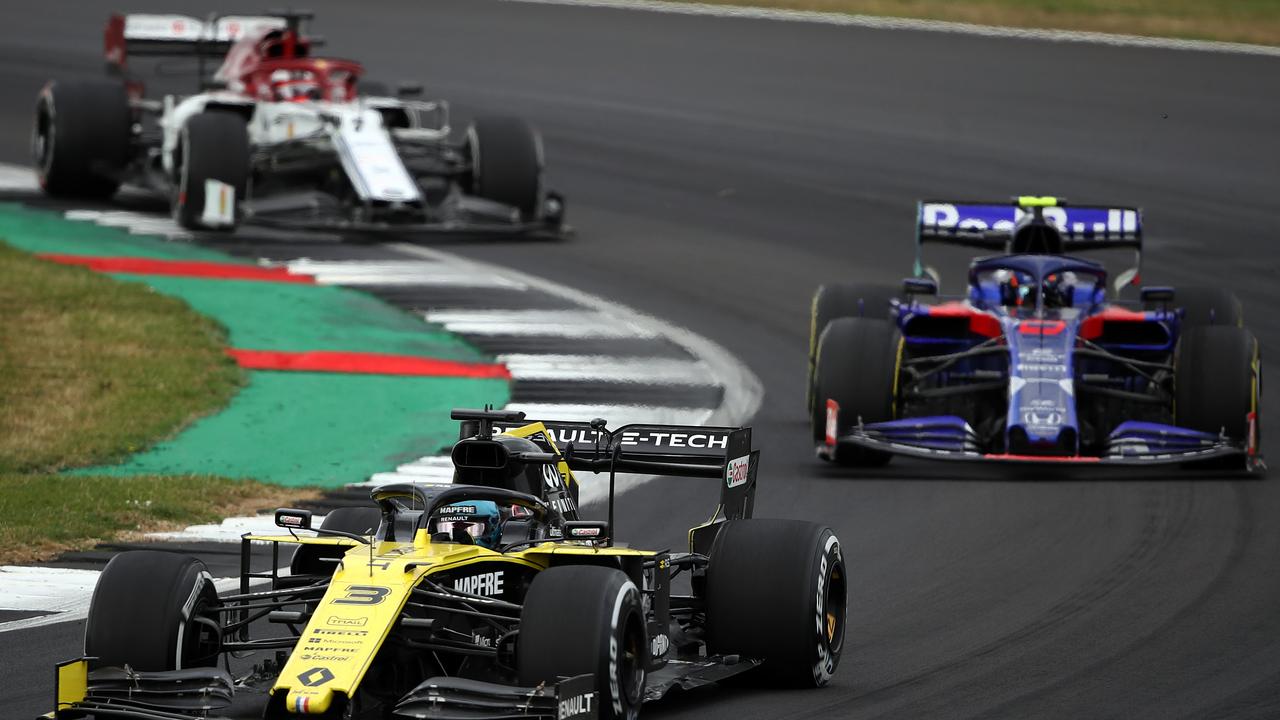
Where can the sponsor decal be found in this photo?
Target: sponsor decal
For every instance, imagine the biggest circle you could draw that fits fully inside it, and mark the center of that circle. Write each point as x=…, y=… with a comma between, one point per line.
x=346, y=621
x=481, y=640
x=346, y=633
x=825, y=666
x=1036, y=418
x=659, y=645
x=1074, y=221
x=1046, y=368
x=833, y=422
x=657, y=438
x=364, y=595
x=487, y=584
x=315, y=676
x=737, y=471
x=587, y=532
x=324, y=657
x=551, y=476
x=575, y=706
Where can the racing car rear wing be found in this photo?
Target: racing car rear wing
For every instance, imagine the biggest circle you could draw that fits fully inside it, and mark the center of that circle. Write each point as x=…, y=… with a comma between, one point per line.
x=139, y=34
x=682, y=450
x=989, y=225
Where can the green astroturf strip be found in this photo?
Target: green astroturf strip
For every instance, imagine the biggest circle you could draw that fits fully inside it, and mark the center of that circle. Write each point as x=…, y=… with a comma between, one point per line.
x=291, y=428
x=296, y=318
x=318, y=429
x=41, y=231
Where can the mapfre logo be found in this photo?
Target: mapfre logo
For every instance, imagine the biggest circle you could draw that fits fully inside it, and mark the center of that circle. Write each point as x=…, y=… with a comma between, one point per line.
x=487, y=584
x=736, y=472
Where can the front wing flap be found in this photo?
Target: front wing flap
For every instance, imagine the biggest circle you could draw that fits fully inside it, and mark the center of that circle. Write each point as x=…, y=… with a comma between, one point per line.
x=452, y=698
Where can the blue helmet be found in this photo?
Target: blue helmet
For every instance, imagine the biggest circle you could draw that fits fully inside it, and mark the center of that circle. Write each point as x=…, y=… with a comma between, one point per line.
x=475, y=521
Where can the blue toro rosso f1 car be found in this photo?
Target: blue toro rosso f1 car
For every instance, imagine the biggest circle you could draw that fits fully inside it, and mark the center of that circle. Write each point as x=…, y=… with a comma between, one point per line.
x=1035, y=363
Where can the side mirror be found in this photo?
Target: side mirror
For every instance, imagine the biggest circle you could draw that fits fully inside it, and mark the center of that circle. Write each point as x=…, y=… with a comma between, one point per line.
x=293, y=519
x=587, y=530
x=408, y=89
x=920, y=286
x=1156, y=294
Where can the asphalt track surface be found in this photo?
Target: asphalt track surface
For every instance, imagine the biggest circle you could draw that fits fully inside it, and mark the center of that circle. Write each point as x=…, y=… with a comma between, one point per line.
x=718, y=170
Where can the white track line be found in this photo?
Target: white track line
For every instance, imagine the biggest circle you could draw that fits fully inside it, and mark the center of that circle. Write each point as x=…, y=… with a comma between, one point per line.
x=894, y=23
x=568, y=324
x=743, y=391
x=383, y=272
x=135, y=223
x=66, y=593
x=598, y=368
x=18, y=177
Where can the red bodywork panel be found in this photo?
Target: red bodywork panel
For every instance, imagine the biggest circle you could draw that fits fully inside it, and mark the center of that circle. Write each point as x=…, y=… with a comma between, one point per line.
x=980, y=322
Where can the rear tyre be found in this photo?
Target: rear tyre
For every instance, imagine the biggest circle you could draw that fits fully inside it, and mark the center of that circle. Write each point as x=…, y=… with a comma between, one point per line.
x=214, y=146
x=506, y=164
x=153, y=611
x=839, y=300
x=858, y=363
x=1217, y=381
x=777, y=590
x=584, y=619
x=323, y=559
x=80, y=142
x=1206, y=306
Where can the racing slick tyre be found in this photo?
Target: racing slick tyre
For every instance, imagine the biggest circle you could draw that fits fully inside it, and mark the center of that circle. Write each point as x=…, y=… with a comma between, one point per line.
x=80, y=142
x=506, y=163
x=1218, y=382
x=777, y=590
x=214, y=146
x=323, y=559
x=153, y=611
x=1206, y=306
x=839, y=300
x=857, y=366
x=585, y=619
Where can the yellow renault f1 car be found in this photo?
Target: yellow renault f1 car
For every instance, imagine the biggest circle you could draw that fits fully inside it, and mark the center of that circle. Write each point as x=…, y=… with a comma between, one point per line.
x=486, y=598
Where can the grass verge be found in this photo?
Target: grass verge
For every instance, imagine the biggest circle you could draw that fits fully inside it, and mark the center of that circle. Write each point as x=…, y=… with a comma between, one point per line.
x=44, y=515
x=91, y=370
x=1249, y=21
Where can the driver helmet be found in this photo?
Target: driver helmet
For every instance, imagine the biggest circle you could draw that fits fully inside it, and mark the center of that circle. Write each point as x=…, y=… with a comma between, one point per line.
x=475, y=522
x=1059, y=290
x=298, y=86
x=1015, y=292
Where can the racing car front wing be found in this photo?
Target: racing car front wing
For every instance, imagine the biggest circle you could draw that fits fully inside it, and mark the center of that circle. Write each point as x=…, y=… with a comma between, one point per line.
x=951, y=438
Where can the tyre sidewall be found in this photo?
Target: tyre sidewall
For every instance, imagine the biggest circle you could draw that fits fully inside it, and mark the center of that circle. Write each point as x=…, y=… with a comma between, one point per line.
x=141, y=611
x=576, y=620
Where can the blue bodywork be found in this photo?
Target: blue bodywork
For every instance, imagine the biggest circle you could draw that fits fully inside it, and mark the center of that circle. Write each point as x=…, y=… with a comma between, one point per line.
x=1034, y=366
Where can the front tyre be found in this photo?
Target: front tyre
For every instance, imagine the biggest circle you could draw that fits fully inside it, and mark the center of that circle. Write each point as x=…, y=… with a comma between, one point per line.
x=837, y=300
x=1218, y=382
x=506, y=164
x=858, y=364
x=214, y=146
x=153, y=611
x=80, y=141
x=777, y=590
x=584, y=619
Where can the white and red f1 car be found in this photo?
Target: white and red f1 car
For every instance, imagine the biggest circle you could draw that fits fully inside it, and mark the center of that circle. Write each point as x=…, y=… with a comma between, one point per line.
x=278, y=136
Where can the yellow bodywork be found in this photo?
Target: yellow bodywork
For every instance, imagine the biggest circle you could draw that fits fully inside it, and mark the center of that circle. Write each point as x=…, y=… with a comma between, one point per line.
x=368, y=593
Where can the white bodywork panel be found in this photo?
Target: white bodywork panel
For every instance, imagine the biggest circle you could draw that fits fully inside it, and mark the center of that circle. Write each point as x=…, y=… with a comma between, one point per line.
x=219, y=205
x=364, y=147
